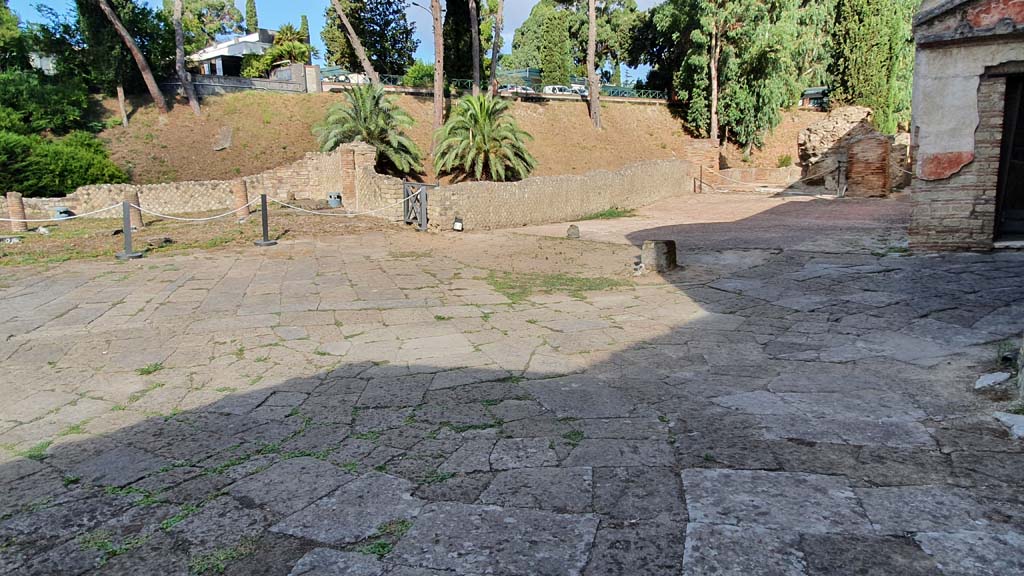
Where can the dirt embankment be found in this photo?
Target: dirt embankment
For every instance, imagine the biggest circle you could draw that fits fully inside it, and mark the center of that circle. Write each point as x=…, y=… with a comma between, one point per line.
x=270, y=130
x=781, y=142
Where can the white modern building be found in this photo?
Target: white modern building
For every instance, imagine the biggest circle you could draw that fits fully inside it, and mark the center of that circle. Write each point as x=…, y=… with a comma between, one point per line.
x=225, y=58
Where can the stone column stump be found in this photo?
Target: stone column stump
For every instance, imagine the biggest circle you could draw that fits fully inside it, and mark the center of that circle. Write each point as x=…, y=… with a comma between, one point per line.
x=16, y=211
x=240, y=193
x=658, y=255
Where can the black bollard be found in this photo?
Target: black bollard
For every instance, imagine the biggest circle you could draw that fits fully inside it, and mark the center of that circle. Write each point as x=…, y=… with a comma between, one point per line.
x=128, y=253
x=266, y=241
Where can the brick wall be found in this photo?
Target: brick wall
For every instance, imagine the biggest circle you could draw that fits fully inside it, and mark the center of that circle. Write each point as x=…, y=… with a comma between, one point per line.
x=959, y=212
x=868, y=167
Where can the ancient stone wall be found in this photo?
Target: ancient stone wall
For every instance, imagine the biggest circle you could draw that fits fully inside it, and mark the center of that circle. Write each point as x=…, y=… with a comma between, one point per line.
x=544, y=199
x=958, y=212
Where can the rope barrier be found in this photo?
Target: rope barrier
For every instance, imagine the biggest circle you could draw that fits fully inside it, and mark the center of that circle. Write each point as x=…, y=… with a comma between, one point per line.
x=158, y=215
x=347, y=214
x=111, y=207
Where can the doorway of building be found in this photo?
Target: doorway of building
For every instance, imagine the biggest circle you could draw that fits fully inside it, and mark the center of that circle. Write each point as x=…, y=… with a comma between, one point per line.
x=1010, y=195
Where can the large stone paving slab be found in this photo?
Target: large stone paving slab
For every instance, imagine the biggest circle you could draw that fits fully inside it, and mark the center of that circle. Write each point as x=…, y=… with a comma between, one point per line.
x=494, y=540
x=342, y=406
x=810, y=503
x=355, y=511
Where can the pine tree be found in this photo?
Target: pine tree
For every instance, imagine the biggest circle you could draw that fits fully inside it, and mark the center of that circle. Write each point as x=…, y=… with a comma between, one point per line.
x=382, y=27
x=252, y=20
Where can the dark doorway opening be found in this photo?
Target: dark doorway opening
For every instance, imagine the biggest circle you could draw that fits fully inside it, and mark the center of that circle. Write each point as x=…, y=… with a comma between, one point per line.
x=1010, y=196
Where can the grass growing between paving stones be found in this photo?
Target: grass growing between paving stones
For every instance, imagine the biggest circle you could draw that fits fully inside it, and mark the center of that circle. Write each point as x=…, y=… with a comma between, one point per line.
x=518, y=287
x=610, y=214
x=381, y=543
x=102, y=541
x=217, y=561
x=150, y=369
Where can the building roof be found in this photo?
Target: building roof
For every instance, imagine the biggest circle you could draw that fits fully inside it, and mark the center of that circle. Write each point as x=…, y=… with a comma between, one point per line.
x=256, y=43
x=932, y=9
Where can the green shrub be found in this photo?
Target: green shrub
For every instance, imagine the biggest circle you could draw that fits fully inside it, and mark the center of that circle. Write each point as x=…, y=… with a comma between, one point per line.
x=483, y=141
x=42, y=167
x=785, y=161
x=370, y=115
x=419, y=75
x=260, y=66
x=42, y=104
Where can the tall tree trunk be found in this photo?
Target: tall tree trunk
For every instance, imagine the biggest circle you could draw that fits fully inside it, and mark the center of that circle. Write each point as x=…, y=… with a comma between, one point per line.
x=179, y=59
x=474, y=30
x=356, y=44
x=435, y=10
x=496, y=46
x=121, y=105
x=595, y=85
x=140, y=60
x=716, y=51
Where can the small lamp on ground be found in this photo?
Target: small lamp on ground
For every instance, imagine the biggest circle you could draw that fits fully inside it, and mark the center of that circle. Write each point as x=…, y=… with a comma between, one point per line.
x=457, y=226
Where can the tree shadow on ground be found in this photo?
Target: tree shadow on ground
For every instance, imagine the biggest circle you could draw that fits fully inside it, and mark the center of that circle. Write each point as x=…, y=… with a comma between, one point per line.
x=399, y=466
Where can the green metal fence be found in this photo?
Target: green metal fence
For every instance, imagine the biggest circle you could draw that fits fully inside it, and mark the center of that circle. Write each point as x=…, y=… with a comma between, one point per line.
x=526, y=77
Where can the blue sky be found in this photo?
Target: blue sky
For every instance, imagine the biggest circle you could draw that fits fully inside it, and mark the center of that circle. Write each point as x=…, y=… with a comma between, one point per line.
x=273, y=13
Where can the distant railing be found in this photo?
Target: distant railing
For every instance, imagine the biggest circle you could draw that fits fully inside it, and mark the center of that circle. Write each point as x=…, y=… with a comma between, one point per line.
x=336, y=74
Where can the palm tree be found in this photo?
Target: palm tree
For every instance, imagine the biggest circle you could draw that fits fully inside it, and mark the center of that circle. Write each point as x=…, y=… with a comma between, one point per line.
x=140, y=60
x=481, y=139
x=288, y=33
x=369, y=115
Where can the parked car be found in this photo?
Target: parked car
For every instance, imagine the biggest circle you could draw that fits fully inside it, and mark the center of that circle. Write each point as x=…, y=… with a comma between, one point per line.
x=564, y=90
x=515, y=89
x=581, y=91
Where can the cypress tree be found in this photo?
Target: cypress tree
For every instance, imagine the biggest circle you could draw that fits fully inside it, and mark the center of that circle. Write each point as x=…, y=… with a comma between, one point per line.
x=872, y=56
x=555, y=49
x=304, y=29
x=458, y=50
x=252, y=20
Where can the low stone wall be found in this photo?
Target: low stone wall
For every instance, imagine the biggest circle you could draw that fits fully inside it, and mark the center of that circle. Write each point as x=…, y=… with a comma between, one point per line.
x=313, y=177
x=754, y=176
x=545, y=199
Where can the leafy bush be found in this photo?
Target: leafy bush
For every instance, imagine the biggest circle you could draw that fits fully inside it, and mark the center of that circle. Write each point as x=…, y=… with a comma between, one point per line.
x=419, y=75
x=41, y=104
x=43, y=167
x=260, y=66
x=482, y=140
x=785, y=161
x=369, y=115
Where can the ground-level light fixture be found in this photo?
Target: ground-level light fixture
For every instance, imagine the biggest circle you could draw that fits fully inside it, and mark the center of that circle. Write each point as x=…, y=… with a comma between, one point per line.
x=457, y=226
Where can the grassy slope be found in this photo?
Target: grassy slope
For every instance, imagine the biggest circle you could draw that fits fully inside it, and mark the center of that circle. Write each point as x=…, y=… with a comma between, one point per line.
x=273, y=129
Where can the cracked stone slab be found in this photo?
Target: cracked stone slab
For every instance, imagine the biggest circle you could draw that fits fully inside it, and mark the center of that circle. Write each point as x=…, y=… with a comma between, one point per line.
x=118, y=467
x=810, y=503
x=468, y=538
x=555, y=489
x=354, y=511
x=511, y=453
x=328, y=562
x=611, y=452
x=855, y=431
x=1015, y=422
x=734, y=550
x=974, y=553
x=579, y=397
x=290, y=485
x=937, y=508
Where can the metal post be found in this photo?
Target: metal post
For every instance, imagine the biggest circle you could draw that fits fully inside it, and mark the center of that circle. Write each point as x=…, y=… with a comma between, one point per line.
x=423, y=209
x=128, y=253
x=266, y=241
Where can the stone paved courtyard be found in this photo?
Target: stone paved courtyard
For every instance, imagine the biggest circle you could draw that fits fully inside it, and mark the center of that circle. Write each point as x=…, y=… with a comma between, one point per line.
x=354, y=406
